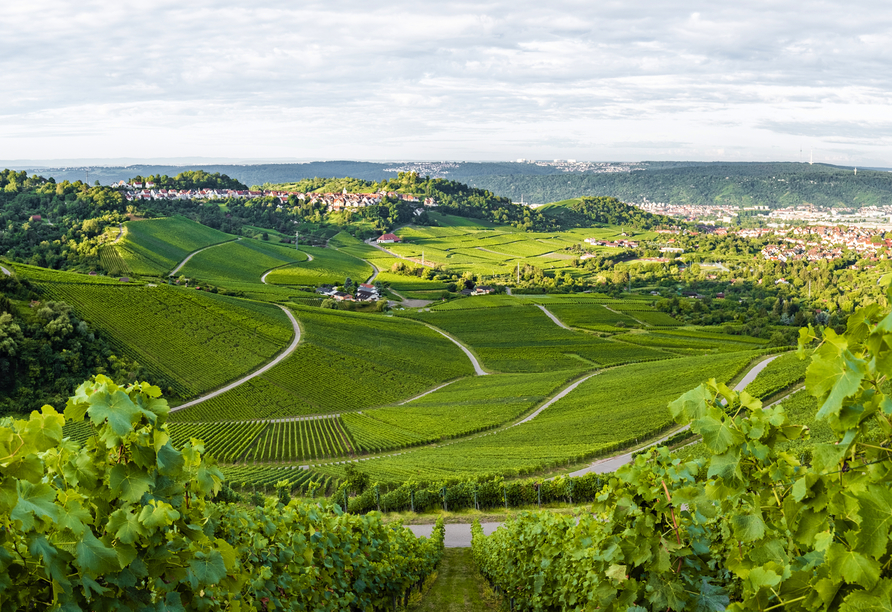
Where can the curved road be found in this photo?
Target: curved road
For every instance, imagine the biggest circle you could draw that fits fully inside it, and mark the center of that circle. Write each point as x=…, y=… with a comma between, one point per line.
x=611, y=464
x=265, y=274
x=556, y=398
x=557, y=321
x=474, y=362
x=5, y=271
x=194, y=253
x=253, y=374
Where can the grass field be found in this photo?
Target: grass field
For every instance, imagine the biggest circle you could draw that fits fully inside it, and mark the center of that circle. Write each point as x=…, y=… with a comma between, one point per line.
x=607, y=412
x=155, y=246
x=189, y=341
x=524, y=339
x=346, y=361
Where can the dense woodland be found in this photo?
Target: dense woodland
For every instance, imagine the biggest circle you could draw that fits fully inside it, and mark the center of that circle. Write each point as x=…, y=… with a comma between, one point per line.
x=744, y=184
x=592, y=211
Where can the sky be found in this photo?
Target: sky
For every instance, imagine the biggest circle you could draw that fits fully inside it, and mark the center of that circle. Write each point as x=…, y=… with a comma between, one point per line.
x=485, y=80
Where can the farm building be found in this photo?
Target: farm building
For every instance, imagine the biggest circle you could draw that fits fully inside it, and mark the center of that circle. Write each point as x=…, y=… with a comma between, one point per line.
x=388, y=239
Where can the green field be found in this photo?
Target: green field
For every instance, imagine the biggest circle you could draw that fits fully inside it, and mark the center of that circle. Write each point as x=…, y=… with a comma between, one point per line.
x=346, y=361
x=155, y=246
x=785, y=371
x=329, y=266
x=524, y=339
x=189, y=341
x=609, y=411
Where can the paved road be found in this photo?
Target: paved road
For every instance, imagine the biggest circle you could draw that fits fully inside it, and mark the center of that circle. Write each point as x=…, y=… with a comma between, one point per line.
x=120, y=231
x=194, y=253
x=255, y=373
x=5, y=271
x=557, y=321
x=265, y=274
x=427, y=393
x=458, y=535
x=480, y=371
x=611, y=464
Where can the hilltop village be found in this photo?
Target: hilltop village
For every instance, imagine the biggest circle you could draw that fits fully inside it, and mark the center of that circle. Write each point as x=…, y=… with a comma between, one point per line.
x=334, y=202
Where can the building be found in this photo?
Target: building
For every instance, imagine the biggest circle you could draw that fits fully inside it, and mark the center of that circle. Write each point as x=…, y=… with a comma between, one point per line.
x=388, y=239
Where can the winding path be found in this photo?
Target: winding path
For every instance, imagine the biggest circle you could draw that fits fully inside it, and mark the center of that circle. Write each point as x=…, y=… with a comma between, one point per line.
x=194, y=253
x=557, y=321
x=479, y=370
x=611, y=464
x=560, y=395
x=265, y=274
x=253, y=374
x=412, y=399
x=5, y=271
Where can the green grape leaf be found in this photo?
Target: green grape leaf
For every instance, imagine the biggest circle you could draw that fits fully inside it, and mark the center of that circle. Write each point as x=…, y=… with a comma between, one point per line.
x=158, y=514
x=749, y=527
x=207, y=568
x=54, y=566
x=124, y=525
x=93, y=558
x=34, y=501
x=692, y=405
x=879, y=599
x=711, y=598
x=876, y=520
x=617, y=572
x=45, y=428
x=853, y=566
x=117, y=408
x=834, y=378
x=129, y=482
x=718, y=435
x=170, y=461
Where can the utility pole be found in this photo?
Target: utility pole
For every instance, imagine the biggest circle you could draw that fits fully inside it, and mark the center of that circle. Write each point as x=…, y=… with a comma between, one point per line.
x=296, y=237
x=518, y=272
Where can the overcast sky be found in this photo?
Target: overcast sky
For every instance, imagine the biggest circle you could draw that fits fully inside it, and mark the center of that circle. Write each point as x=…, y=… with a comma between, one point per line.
x=482, y=80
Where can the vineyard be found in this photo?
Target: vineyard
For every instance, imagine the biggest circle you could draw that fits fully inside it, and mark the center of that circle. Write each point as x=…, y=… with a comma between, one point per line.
x=608, y=412
x=346, y=361
x=154, y=247
x=198, y=340
x=240, y=262
x=43, y=275
x=524, y=339
x=329, y=266
x=302, y=440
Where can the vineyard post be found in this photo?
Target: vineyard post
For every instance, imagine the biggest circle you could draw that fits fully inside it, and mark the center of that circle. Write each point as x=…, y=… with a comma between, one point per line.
x=505, y=494
x=412, y=499
x=539, y=494
x=345, y=500
x=377, y=498
x=445, y=507
x=476, y=505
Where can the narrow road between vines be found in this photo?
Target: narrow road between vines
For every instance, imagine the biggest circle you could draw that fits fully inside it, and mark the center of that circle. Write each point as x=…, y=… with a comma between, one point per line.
x=5, y=271
x=265, y=274
x=458, y=535
x=291, y=348
x=560, y=395
x=479, y=370
x=611, y=464
x=194, y=253
x=557, y=321
x=458, y=587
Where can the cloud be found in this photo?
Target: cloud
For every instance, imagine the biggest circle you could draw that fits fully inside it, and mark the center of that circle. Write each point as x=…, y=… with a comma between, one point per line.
x=348, y=77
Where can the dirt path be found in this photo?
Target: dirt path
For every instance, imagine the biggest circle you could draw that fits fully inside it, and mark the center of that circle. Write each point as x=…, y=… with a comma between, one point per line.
x=458, y=587
x=611, y=464
x=194, y=253
x=557, y=321
x=427, y=393
x=479, y=370
x=265, y=274
x=556, y=398
x=253, y=374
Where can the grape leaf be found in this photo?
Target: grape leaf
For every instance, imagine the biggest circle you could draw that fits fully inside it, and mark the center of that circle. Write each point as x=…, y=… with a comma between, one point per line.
x=207, y=568
x=129, y=482
x=853, y=566
x=93, y=558
x=34, y=501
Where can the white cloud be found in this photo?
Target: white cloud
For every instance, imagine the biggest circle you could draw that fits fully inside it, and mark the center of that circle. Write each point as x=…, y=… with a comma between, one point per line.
x=460, y=80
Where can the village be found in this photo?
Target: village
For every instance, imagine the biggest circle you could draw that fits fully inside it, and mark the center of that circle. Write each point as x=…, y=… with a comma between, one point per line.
x=334, y=202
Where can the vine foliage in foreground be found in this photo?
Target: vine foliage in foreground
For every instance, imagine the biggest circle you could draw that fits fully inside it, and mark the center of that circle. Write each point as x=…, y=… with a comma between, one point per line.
x=749, y=527
x=124, y=522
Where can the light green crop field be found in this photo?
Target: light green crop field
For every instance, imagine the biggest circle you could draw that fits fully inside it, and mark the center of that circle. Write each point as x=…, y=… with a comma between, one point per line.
x=591, y=316
x=156, y=246
x=240, y=262
x=328, y=266
x=464, y=407
x=524, y=339
x=607, y=412
x=190, y=341
x=785, y=371
x=346, y=361
x=692, y=343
